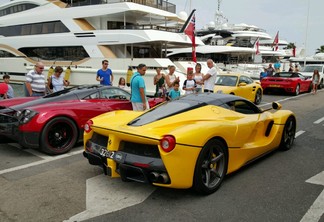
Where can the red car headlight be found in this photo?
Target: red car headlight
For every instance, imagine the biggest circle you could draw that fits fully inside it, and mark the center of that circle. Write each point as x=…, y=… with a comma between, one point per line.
x=87, y=126
x=168, y=143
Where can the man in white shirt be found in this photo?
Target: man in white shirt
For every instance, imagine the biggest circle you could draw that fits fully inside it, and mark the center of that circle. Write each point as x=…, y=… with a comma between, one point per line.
x=210, y=77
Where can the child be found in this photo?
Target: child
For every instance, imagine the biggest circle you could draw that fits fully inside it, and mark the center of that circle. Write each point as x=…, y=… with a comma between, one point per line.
x=174, y=92
x=122, y=82
x=189, y=85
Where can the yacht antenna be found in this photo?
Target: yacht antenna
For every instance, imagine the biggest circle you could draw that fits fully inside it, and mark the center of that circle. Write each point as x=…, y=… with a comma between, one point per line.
x=220, y=19
x=306, y=34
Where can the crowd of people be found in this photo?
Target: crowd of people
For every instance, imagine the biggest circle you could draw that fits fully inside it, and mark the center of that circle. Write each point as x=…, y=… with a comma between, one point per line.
x=276, y=68
x=166, y=84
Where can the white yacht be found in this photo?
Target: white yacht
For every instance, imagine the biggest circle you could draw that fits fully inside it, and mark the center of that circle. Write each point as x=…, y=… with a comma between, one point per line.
x=232, y=43
x=81, y=33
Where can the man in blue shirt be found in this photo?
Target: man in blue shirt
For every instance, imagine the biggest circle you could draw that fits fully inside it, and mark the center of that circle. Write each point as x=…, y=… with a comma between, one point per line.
x=138, y=90
x=277, y=66
x=104, y=75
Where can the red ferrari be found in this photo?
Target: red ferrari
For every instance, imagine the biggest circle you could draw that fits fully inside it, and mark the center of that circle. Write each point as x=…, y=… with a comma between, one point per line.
x=54, y=123
x=289, y=82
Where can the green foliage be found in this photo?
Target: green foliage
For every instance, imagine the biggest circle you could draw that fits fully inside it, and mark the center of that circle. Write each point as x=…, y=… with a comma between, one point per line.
x=291, y=45
x=320, y=49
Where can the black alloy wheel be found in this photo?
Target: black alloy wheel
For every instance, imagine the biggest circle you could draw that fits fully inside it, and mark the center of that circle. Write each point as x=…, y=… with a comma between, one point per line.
x=288, y=134
x=58, y=136
x=258, y=97
x=211, y=167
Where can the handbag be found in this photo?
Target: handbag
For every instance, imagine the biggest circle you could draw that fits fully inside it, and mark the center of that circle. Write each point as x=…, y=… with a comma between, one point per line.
x=51, y=84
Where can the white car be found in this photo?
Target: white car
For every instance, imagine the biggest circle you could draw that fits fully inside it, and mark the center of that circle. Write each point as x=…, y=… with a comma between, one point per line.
x=308, y=71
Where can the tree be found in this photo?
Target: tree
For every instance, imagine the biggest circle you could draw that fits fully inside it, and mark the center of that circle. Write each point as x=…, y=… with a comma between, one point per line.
x=291, y=45
x=320, y=49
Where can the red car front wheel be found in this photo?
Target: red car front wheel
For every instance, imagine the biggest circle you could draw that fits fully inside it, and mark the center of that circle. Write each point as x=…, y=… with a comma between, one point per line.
x=58, y=136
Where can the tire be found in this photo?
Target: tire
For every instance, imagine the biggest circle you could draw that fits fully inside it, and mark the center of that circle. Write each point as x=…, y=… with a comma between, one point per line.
x=297, y=91
x=4, y=139
x=288, y=134
x=258, y=97
x=58, y=136
x=211, y=167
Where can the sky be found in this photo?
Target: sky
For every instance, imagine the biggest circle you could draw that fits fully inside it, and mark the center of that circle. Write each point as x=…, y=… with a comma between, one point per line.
x=289, y=17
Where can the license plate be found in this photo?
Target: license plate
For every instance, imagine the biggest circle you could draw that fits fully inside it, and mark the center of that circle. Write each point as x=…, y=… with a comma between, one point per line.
x=114, y=155
x=107, y=153
x=275, y=86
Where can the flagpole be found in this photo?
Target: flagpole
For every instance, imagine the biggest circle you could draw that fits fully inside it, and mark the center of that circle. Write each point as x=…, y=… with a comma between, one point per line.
x=306, y=33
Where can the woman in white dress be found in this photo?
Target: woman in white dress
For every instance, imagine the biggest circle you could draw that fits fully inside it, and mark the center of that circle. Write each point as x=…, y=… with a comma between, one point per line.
x=316, y=79
x=198, y=76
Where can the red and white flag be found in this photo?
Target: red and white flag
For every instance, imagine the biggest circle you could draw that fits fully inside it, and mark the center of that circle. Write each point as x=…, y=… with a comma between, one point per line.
x=294, y=51
x=257, y=45
x=189, y=30
x=275, y=42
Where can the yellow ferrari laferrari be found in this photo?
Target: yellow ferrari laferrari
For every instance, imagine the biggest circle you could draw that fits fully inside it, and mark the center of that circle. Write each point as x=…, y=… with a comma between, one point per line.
x=239, y=85
x=193, y=141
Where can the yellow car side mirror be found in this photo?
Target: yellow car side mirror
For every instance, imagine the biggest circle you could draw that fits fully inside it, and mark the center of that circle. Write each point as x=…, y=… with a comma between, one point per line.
x=242, y=84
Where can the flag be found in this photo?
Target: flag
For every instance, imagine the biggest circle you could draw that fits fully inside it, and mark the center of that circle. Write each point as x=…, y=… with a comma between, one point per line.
x=275, y=42
x=190, y=31
x=294, y=51
x=257, y=45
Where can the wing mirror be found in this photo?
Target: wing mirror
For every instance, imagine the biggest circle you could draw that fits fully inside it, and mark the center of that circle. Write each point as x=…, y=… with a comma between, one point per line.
x=242, y=84
x=276, y=105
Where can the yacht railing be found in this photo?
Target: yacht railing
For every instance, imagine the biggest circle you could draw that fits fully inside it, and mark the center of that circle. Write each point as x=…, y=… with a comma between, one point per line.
x=150, y=27
x=160, y=4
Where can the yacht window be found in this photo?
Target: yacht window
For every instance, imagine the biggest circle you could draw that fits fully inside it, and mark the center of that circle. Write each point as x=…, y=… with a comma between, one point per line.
x=16, y=8
x=5, y=54
x=73, y=53
x=34, y=29
x=25, y=29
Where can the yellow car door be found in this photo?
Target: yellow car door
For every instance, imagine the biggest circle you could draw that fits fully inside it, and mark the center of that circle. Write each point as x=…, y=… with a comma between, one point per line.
x=246, y=88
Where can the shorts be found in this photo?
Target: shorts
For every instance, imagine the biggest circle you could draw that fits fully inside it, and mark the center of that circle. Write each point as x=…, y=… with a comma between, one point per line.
x=139, y=106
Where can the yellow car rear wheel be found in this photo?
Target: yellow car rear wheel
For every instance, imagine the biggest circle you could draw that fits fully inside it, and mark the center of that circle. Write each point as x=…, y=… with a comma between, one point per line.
x=258, y=97
x=211, y=167
x=288, y=134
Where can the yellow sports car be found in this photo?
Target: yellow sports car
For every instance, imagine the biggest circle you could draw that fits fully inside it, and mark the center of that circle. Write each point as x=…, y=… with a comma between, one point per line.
x=239, y=85
x=193, y=141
